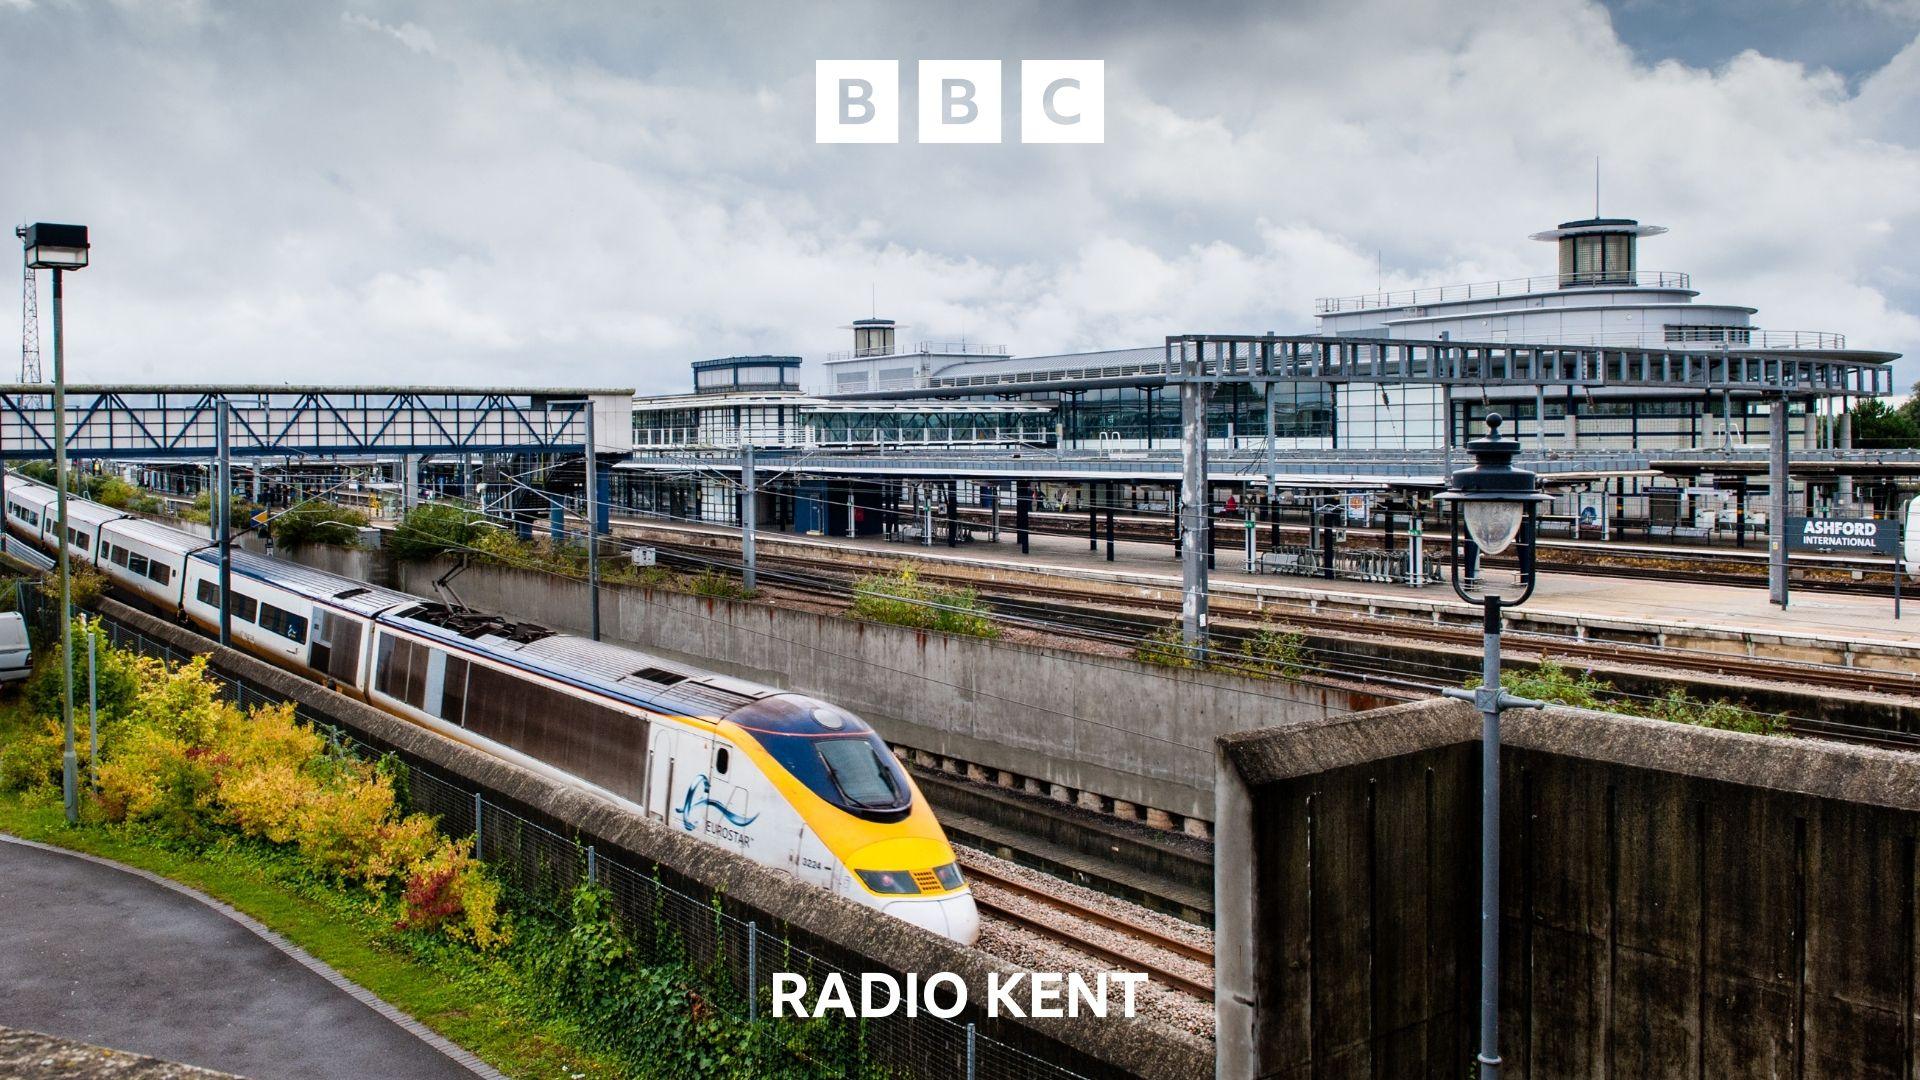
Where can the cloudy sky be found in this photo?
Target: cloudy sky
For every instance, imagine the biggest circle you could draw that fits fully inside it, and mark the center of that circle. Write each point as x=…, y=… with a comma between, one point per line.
x=598, y=194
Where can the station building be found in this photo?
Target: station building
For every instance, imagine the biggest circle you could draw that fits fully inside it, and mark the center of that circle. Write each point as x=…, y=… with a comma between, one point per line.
x=1599, y=296
x=942, y=400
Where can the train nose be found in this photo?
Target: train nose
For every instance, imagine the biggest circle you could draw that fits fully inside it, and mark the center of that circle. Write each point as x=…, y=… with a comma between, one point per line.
x=952, y=917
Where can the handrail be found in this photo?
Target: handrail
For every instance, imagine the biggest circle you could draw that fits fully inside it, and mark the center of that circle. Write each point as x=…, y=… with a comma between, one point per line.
x=1477, y=290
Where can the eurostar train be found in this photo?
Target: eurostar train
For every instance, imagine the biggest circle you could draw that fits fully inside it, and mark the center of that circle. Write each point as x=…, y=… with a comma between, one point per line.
x=791, y=782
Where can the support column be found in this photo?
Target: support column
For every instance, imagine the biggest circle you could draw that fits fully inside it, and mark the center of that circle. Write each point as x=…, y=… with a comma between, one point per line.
x=594, y=512
x=1022, y=512
x=1193, y=496
x=1109, y=521
x=749, y=518
x=223, y=518
x=1093, y=517
x=1446, y=432
x=1843, y=440
x=409, y=482
x=1777, y=479
x=1726, y=419
x=1539, y=419
x=953, y=514
x=1573, y=422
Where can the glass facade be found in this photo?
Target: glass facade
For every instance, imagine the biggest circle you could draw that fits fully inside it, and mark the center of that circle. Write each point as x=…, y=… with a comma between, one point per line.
x=1152, y=414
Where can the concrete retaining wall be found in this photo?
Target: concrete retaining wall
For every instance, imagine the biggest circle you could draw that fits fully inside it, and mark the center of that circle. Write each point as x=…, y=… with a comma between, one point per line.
x=824, y=924
x=1676, y=901
x=1122, y=729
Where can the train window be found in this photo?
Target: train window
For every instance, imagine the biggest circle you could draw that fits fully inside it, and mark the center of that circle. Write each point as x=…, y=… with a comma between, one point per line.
x=137, y=563
x=403, y=670
x=721, y=760
x=285, y=623
x=856, y=769
x=344, y=664
x=120, y=555
x=207, y=593
x=453, y=691
x=159, y=571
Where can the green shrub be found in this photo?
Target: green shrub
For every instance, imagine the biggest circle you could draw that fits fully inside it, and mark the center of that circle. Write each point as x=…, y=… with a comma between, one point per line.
x=1551, y=682
x=434, y=529
x=711, y=582
x=1166, y=647
x=319, y=522
x=902, y=599
x=1273, y=651
x=108, y=490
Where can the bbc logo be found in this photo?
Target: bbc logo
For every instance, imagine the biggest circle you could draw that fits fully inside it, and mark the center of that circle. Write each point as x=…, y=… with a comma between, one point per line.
x=858, y=101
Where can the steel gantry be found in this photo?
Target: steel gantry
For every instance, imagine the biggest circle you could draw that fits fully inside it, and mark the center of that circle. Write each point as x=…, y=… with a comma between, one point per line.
x=148, y=422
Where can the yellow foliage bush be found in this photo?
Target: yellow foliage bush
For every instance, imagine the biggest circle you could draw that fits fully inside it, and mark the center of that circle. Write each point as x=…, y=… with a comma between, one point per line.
x=184, y=703
x=266, y=800
x=451, y=890
x=183, y=759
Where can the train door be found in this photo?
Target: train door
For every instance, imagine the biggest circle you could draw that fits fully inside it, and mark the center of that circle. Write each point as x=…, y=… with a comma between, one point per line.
x=677, y=781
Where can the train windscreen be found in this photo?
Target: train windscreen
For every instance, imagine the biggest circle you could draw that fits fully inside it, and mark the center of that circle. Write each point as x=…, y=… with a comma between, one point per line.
x=833, y=752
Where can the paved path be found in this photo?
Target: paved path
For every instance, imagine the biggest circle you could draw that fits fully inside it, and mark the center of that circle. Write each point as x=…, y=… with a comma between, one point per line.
x=99, y=953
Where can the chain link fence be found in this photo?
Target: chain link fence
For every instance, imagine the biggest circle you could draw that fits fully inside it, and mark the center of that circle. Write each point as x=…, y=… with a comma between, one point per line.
x=664, y=916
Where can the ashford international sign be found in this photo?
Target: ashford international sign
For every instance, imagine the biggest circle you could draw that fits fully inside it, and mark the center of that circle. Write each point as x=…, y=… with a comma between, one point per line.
x=1856, y=536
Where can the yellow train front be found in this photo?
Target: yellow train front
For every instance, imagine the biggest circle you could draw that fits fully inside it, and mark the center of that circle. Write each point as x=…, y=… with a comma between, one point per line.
x=860, y=825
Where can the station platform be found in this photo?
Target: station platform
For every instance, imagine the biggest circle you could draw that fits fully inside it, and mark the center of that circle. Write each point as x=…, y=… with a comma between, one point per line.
x=1575, y=599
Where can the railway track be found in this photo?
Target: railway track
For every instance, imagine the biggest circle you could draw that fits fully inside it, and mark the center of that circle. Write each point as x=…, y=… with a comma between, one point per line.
x=1139, y=959
x=1081, y=608
x=1077, y=609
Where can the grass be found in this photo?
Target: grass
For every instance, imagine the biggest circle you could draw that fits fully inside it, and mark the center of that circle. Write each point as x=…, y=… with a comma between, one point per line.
x=480, y=1002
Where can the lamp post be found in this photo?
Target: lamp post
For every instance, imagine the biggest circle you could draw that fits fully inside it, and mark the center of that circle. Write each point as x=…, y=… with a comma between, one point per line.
x=61, y=248
x=1498, y=506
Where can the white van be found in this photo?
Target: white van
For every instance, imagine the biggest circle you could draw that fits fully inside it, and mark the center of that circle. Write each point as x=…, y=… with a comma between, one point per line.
x=16, y=652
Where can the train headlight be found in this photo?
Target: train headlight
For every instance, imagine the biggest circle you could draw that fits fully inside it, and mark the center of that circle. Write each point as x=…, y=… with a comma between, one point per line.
x=895, y=882
x=949, y=876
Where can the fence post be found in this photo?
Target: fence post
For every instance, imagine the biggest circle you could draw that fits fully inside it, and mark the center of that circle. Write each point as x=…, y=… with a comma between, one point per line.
x=93, y=711
x=593, y=867
x=477, y=803
x=970, y=1058
x=753, y=971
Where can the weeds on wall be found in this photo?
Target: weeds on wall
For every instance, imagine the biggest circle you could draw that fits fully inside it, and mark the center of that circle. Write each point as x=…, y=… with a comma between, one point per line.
x=1270, y=652
x=901, y=598
x=1555, y=684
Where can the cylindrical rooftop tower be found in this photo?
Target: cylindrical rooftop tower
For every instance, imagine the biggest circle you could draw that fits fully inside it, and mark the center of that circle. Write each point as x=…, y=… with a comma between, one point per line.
x=1598, y=251
x=873, y=337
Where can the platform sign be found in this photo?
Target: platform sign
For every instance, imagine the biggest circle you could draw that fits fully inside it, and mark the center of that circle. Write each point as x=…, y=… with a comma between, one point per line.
x=1843, y=536
x=1359, y=508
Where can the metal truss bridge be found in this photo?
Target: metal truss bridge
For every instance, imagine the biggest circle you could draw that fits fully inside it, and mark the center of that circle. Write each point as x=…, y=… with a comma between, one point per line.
x=149, y=422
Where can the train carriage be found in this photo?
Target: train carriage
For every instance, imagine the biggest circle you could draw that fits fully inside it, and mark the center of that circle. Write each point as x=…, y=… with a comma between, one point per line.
x=30, y=511
x=145, y=557
x=792, y=782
